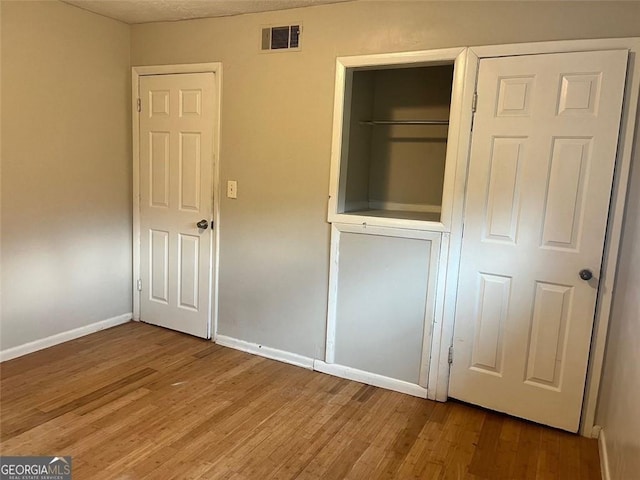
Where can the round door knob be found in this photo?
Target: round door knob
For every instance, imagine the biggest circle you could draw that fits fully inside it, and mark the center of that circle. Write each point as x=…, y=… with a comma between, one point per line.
x=203, y=224
x=586, y=274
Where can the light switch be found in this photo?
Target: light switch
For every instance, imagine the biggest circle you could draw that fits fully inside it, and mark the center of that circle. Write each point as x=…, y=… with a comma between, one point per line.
x=232, y=189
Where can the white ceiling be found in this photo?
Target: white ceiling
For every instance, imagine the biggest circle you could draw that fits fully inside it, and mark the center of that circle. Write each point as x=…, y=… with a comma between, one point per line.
x=145, y=11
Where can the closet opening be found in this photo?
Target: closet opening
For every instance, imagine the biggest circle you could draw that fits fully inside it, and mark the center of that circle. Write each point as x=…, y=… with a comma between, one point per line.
x=395, y=125
x=394, y=172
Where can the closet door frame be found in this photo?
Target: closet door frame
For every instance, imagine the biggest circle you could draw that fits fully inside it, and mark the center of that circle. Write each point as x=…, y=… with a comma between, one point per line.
x=439, y=374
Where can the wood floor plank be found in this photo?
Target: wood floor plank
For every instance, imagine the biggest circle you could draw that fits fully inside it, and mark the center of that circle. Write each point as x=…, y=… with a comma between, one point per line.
x=484, y=454
x=466, y=427
x=589, y=459
x=548, y=459
x=528, y=450
x=570, y=454
x=508, y=448
x=137, y=401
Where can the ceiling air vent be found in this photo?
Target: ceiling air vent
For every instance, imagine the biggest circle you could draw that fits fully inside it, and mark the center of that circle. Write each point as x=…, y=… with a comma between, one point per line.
x=285, y=37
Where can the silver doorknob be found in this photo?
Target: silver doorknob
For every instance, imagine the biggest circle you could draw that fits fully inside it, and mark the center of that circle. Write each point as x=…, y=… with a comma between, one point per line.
x=202, y=224
x=586, y=274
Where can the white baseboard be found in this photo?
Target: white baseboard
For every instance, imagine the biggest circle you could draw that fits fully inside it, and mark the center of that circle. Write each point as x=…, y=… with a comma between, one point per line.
x=370, y=378
x=320, y=366
x=267, y=352
x=47, y=342
x=604, y=455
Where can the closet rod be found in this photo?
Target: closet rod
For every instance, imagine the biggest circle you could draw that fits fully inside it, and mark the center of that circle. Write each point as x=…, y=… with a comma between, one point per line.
x=404, y=122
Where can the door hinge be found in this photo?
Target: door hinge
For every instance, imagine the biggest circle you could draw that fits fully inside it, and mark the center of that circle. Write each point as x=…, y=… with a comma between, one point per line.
x=139, y=285
x=139, y=105
x=474, y=106
x=450, y=357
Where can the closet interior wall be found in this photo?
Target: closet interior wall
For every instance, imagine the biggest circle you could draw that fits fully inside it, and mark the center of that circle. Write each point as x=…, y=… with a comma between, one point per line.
x=395, y=167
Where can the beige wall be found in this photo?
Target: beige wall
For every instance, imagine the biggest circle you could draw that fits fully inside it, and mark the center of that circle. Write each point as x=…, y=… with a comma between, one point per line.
x=356, y=149
x=66, y=170
x=276, y=132
x=619, y=403
x=407, y=162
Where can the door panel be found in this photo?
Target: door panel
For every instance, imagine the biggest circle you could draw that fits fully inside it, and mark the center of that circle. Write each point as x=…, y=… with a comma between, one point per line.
x=540, y=175
x=159, y=266
x=502, y=212
x=190, y=158
x=551, y=306
x=189, y=270
x=176, y=187
x=493, y=304
x=159, y=165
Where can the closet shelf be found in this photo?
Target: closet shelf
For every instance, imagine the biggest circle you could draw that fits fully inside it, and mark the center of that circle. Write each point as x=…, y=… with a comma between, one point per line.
x=404, y=122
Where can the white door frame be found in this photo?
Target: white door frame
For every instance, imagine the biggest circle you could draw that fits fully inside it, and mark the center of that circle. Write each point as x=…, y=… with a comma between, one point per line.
x=439, y=379
x=136, y=73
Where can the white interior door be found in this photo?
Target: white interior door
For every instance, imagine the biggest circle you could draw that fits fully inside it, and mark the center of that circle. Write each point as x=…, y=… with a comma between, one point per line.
x=540, y=175
x=176, y=193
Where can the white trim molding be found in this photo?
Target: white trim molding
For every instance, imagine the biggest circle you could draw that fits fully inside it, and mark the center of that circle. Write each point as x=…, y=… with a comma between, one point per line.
x=62, y=337
x=370, y=378
x=264, y=351
x=604, y=455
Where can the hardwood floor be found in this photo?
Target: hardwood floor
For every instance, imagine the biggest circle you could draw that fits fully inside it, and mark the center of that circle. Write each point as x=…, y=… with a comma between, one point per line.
x=138, y=401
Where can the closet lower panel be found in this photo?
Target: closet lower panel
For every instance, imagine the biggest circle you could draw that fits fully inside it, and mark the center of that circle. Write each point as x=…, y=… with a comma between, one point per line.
x=381, y=305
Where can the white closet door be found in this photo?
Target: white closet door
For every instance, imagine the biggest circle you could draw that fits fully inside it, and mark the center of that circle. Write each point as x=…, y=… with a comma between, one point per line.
x=176, y=189
x=540, y=175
